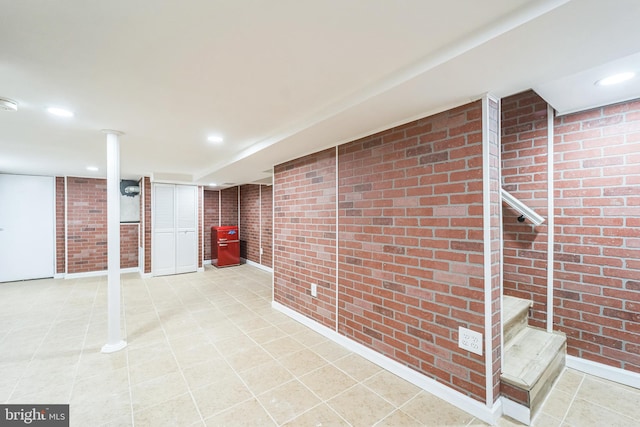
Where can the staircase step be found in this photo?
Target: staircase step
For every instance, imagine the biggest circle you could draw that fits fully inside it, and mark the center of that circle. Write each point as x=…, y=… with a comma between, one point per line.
x=516, y=316
x=533, y=359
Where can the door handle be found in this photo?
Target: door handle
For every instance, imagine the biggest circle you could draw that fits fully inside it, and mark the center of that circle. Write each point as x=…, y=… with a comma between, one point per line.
x=223, y=245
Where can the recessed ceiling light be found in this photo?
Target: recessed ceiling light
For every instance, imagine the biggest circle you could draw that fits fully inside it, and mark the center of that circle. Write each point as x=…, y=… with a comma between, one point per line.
x=60, y=112
x=616, y=78
x=8, y=105
x=215, y=138
x=92, y=168
x=212, y=184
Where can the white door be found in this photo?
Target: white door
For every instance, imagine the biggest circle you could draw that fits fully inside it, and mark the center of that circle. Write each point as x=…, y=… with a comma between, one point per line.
x=163, y=255
x=27, y=227
x=175, y=241
x=186, y=226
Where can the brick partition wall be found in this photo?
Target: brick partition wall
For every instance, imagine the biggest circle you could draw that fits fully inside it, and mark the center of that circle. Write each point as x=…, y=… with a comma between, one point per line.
x=229, y=206
x=411, y=252
x=87, y=228
x=87, y=225
x=211, y=218
x=524, y=175
x=304, y=195
x=60, y=226
x=250, y=220
x=410, y=227
x=146, y=211
x=597, y=206
x=129, y=235
x=266, y=204
x=597, y=245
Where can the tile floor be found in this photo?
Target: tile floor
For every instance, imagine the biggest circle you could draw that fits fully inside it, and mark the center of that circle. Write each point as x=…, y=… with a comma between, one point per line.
x=208, y=349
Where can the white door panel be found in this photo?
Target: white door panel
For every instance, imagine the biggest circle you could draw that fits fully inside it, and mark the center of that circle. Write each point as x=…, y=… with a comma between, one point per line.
x=27, y=227
x=186, y=251
x=175, y=245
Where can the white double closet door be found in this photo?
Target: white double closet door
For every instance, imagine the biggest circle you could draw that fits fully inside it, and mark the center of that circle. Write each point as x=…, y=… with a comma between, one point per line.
x=175, y=237
x=27, y=227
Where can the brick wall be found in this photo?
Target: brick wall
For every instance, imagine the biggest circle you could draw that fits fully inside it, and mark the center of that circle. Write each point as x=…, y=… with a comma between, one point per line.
x=524, y=174
x=201, y=233
x=304, y=194
x=211, y=218
x=87, y=224
x=597, y=245
x=597, y=203
x=60, y=226
x=87, y=228
x=410, y=227
x=410, y=261
x=266, y=204
x=491, y=152
x=129, y=235
x=147, y=223
x=229, y=206
x=250, y=221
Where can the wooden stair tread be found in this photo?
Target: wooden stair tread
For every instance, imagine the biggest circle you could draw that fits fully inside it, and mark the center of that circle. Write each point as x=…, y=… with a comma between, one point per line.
x=515, y=312
x=528, y=355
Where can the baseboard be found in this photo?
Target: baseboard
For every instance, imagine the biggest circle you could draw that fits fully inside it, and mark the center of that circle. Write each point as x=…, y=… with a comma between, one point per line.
x=603, y=371
x=516, y=411
x=99, y=273
x=257, y=265
x=59, y=276
x=477, y=409
x=206, y=262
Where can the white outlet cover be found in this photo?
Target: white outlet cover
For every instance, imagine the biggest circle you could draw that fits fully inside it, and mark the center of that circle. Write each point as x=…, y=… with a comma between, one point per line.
x=314, y=290
x=470, y=340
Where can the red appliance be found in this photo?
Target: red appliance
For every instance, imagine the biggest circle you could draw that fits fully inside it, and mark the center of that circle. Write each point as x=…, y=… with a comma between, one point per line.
x=225, y=245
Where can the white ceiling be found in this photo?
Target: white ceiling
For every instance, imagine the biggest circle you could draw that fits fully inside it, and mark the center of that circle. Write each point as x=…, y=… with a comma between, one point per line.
x=280, y=78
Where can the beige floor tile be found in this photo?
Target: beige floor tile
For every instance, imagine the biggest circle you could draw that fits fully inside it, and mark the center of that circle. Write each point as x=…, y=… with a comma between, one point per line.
x=398, y=418
x=433, y=411
x=303, y=362
x=288, y=401
x=330, y=350
x=545, y=420
x=249, y=413
x=59, y=393
x=557, y=403
x=266, y=376
x=321, y=415
x=569, y=381
x=179, y=411
x=617, y=398
x=89, y=410
x=220, y=396
x=309, y=338
x=360, y=406
x=393, y=388
x=208, y=372
x=327, y=381
x=583, y=413
x=266, y=334
x=235, y=344
x=159, y=366
x=283, y=347
x=105, y=382
x=357, y=366
x=248, y=359
x=96, y=363
x=157, y=390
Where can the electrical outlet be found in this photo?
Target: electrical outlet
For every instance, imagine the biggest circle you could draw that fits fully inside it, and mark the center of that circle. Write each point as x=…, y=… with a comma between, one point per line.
x=314, y=290
x=470, y=340
x=261, y=251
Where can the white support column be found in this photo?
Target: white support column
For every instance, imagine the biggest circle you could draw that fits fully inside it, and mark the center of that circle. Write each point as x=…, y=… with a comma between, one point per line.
x=114, y=339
